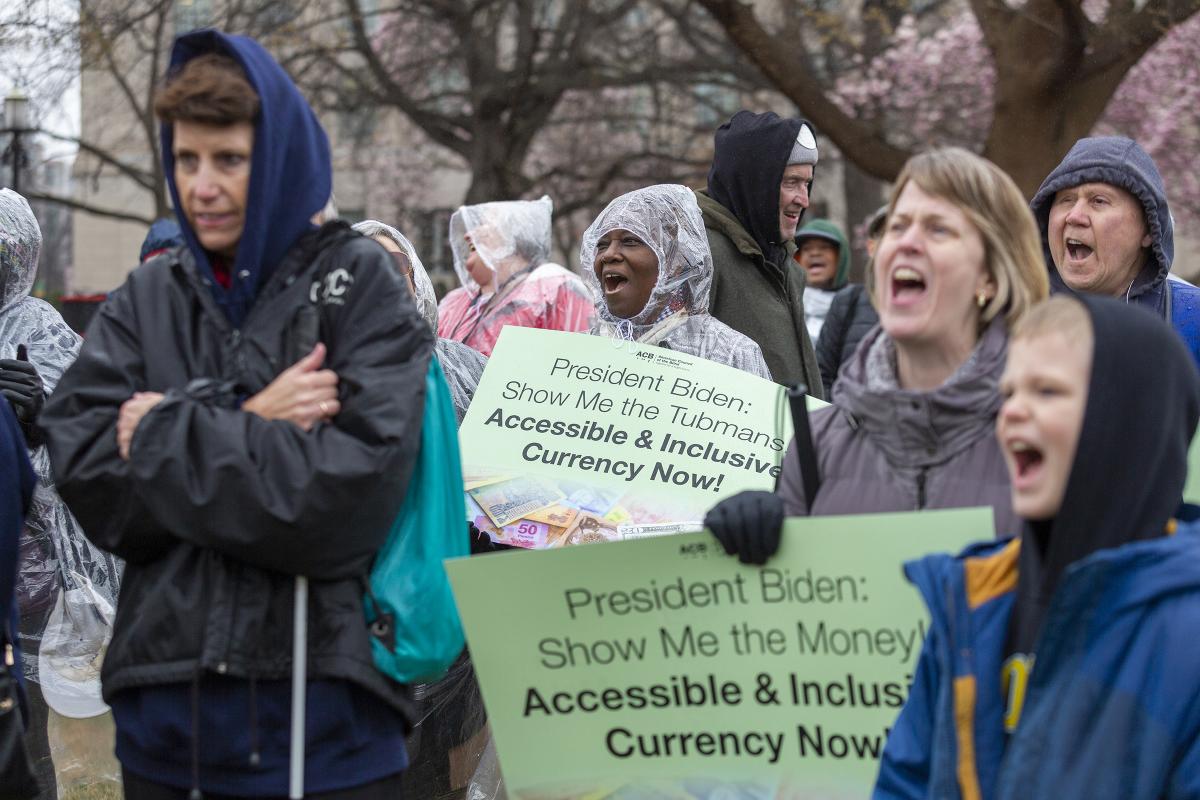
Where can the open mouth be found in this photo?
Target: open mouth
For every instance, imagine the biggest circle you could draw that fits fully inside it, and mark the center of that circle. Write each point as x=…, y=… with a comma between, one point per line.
x=1077, y=250
x=613, y=281
x=907, y=282
x=1027, y=457
x=211, y=220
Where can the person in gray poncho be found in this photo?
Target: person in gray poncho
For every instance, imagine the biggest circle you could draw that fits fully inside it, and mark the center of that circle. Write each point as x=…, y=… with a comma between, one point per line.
x=463, y=365
x=66, y=588
x=647, y=263
x=447, y=739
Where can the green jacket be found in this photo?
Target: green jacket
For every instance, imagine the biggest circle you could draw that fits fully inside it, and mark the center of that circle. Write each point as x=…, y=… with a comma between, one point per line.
x=760, y=299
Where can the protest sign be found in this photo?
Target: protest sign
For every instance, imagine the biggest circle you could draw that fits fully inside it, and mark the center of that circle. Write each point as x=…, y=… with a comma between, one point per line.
x=664, y=668
x=570, y=437
x=1191, y=490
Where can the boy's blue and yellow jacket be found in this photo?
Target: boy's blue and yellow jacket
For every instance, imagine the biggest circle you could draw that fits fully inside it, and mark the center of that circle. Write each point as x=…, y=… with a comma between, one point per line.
x=1111, y=709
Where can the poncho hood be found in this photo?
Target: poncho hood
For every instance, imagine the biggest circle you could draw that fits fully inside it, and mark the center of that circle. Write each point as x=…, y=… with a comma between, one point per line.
x=426, y=297
x=20, y=245
x=666, y=218
x=511, y=236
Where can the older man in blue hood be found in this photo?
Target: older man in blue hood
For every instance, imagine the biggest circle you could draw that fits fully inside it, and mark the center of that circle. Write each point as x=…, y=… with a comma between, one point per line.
x=1107, y=229
x=246, y=409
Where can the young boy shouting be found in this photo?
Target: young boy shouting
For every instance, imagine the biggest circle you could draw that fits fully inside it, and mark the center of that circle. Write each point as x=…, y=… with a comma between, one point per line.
x=1064, y=663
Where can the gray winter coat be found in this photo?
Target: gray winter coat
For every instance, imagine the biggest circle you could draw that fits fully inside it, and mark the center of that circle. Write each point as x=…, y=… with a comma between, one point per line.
x=881, y=448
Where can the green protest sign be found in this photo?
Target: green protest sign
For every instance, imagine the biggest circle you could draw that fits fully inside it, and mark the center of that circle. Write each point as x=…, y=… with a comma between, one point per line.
x=664, y=668
x=571, y=436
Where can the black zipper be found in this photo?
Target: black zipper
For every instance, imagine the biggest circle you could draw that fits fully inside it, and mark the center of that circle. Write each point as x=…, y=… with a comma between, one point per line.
x=921, y=488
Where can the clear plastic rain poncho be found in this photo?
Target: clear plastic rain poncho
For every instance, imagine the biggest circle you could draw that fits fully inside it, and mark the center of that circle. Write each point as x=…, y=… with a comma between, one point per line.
x=448, y=738
x=67, y=588
x=462, y=365
x=513, y=240
x=666, y=218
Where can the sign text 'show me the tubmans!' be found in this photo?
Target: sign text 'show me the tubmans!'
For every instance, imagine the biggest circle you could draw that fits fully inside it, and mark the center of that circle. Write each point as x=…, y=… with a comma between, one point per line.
x=625, y=434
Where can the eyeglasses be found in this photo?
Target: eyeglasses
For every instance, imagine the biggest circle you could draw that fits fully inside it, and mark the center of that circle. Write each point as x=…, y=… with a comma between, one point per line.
x=403, y=263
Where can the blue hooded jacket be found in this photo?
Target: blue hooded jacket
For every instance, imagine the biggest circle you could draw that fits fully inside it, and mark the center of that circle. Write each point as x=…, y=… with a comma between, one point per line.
x=163, y=234
x=1098, y=602
x=1110, y=658
x=1121, y=162
x=290, y=170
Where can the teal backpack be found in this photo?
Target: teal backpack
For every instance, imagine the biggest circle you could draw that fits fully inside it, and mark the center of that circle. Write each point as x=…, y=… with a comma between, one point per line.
x=415, y=631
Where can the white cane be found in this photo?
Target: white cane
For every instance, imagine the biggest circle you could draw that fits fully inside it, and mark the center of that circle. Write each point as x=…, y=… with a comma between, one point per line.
x=299, y=685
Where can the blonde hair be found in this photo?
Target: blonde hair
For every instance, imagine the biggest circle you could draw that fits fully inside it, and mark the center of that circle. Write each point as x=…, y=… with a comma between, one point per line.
x=1061, y=314
x=995, y=206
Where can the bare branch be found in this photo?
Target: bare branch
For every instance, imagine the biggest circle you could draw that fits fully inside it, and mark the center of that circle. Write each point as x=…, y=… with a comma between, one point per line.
x=435, y=126
x=141, y=177
x=79, y=205
x=778, y=59
x=1126, y=35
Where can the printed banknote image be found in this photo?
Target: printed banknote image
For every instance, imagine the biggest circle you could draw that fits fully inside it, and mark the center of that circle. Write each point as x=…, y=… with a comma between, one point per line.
x=538, y=512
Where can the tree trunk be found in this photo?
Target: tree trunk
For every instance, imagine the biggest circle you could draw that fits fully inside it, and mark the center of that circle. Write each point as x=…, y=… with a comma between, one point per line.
x=864, y=194
x=1047, y=95
x=1029, y=136
x=497, y=159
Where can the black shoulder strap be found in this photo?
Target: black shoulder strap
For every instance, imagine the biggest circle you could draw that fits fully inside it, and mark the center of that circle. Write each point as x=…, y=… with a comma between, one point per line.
x=805, y=448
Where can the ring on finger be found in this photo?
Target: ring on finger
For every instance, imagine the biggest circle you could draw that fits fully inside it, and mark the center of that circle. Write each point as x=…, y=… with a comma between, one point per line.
x=324, y=406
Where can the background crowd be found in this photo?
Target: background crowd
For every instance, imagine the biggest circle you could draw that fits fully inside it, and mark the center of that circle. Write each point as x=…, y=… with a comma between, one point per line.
x=257, y=383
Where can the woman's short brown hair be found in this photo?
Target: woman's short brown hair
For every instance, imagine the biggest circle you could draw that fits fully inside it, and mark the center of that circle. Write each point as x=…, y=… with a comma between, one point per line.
x=995, y=206
x=210, y=89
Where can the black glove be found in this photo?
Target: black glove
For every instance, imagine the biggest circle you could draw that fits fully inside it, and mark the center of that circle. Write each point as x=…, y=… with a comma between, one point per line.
x=21, y=385
x=748, y=525
x=481, y=543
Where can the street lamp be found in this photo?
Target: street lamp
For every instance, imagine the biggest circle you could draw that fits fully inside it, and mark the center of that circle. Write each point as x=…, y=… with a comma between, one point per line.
x=16, y=122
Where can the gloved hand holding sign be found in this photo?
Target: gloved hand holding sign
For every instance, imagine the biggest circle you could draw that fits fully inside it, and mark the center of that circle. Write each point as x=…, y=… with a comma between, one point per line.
x=748, y=525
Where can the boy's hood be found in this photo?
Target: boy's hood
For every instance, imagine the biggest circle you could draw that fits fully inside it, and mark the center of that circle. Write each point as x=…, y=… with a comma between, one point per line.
x=1127, y=479
x=290, y=171
x=824, y=229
